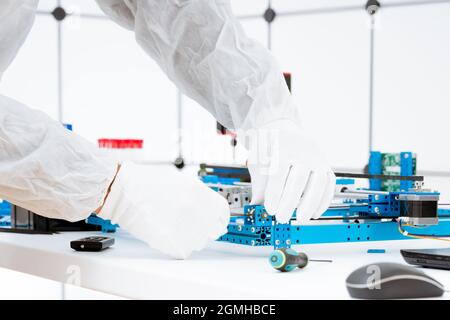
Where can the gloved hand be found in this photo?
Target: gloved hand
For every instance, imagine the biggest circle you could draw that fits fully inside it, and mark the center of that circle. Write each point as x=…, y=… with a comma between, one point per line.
x=288, y=172
x=173, y=213
x=203, y=49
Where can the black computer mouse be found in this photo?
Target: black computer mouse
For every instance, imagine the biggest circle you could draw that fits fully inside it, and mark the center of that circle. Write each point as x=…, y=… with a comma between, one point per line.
x=392, y=281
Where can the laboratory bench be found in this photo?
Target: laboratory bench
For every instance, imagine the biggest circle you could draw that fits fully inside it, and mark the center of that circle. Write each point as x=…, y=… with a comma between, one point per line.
x=130, y=269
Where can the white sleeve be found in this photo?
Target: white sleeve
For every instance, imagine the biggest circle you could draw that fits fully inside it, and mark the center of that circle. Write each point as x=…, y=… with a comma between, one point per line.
x=44, y=167
x=203, y=49
x=47, y=169
x=16, y=20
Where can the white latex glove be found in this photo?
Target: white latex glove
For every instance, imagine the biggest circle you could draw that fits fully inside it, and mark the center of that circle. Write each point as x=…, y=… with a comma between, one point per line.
x=170, y=211
x=203, y=49
x=288, y=172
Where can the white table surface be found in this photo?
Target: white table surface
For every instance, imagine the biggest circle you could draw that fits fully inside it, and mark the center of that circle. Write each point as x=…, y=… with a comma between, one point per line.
x=223, y=271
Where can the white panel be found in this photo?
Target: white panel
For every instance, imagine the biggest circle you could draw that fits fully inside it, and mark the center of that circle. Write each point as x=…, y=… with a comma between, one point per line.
x=16, y=285
x=249, y=7
x=328, y=57
x=289, y=5
x=112, y=89
x=201, y=143
x=47, y=5
x=32, y=77
x=412, y=97
x=78, y=293
x=82, y=6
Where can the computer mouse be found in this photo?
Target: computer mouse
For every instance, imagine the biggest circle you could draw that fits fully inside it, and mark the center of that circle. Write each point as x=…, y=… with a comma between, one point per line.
x=392, y=281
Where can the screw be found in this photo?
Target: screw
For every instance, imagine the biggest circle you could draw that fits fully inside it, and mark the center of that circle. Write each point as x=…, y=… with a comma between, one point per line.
x=239, y=228
x=377, y=210
x=277, y=242
x=377, y=197
x=253, y=230
x=288, y=242
x=252, y=243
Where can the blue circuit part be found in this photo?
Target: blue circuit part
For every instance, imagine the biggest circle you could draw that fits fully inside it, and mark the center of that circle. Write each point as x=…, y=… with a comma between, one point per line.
x=376, y=167
x=106, y=225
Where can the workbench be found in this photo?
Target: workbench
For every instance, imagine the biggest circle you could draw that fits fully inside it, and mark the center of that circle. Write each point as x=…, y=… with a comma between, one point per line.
x=131, y=269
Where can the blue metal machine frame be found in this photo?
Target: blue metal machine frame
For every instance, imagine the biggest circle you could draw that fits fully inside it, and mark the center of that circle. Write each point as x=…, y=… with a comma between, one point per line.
x=260, y=229
x=372, y=219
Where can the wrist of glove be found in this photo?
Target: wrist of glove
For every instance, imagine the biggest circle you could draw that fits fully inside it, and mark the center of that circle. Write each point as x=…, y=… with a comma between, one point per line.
x=289, y=172
x=172, y=212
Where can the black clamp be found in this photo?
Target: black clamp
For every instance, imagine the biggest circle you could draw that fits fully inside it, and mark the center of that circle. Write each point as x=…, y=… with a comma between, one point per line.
x=59, y=13
x=372, y=7
x=270, y=15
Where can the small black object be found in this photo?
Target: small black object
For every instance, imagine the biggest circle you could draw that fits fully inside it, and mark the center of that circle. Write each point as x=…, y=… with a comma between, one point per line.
x=270, y=15
x=93, y=244
x=59, y=14
x=179, y=163
x=221, y=129
x=372, y=7
x=392, y=281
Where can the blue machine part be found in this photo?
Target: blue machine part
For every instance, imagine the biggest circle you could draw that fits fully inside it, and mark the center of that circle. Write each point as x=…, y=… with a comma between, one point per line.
x=260, y=229
x=376, y=251
x=5, y=208
x=406, y=169
x=106, y=225
x=257, y=228
x=213, y=179
x=5, y=221
x=375, y=167
x=372, y=218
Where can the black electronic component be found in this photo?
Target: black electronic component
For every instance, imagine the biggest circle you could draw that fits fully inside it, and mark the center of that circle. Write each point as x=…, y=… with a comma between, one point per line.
x=92, y=244
x=429, y=258
x=419, y=209
x=242, y=173
x=26, y=221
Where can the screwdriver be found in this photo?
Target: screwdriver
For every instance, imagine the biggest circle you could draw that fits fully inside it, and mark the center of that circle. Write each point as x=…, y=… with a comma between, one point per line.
x=286, y=260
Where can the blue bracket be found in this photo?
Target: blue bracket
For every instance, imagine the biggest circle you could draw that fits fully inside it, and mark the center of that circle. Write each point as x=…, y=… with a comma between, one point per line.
x=5, y=208
x=106, y=225
x=375, y=168
x=406, y=169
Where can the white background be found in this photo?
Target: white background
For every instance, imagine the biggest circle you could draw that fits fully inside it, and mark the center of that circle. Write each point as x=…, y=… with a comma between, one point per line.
x=111, y=89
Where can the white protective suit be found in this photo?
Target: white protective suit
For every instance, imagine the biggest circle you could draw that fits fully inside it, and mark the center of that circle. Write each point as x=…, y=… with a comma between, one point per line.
x=202, y=48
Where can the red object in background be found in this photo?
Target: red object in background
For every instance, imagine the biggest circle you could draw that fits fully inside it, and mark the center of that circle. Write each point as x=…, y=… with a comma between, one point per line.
x=121, y=143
